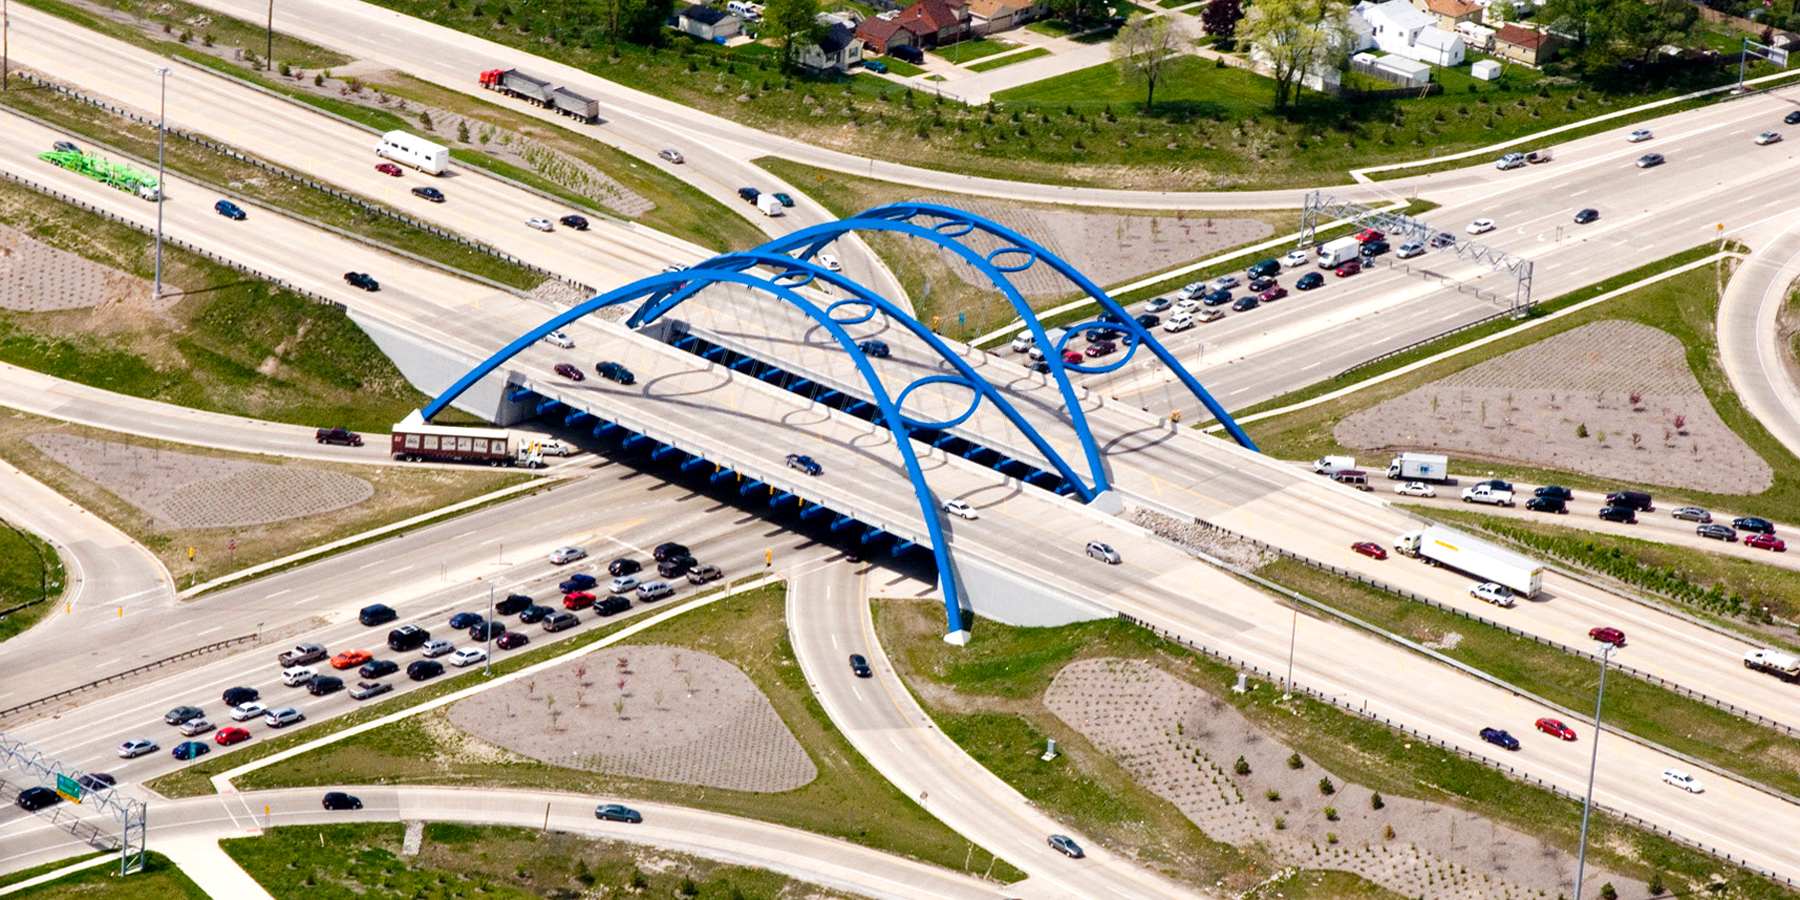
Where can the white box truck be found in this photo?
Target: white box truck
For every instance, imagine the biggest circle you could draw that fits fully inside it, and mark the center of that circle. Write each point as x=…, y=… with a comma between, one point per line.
x=1419, y=467
x=1785, y=666
x=770, y=206
x=1336, y=253
x=415, y=151
x=1329, y=466
x=1470, y=555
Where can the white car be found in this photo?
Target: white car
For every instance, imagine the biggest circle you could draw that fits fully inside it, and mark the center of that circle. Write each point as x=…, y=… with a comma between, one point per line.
x=567, y=555
x=674, y=267
x=1209, y=314
x=298, y=675
x=1224, y=282
x=468, y=656
x=196, y=726
x=1409, y=250
x=1768, y=137
x=829, y=262
x=244, y=712
x=559, y=339
x=1187, y=304
x=1190, y=291
x=1639, y=136
x=1481, y=226
x=622, y=585
x=673, y=156
x=1492, y=593
x=141, y=746
x=541, y=223
x=553, y=447
x=1178, y=322
x=1295, y=259
x=1683, y=780
x=961, y=508
x=1415, y=489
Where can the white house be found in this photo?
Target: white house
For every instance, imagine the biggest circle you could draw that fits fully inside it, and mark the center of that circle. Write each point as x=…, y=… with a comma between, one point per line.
x=837, y=50
x=1397, y=27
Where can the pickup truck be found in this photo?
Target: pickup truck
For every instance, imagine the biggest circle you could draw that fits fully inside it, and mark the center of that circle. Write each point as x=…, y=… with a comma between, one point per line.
x=342, y=436
x=301, y=655
x=1485, y=493
x=366, y=689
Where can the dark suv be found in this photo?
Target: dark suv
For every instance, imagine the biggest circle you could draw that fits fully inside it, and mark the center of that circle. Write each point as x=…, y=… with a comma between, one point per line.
x=377, y=614
x=342, y=436
x=1637, y=500
x=512, y=605
x=407, y=637
x=1623, y=514
x=667, y=549
x=1547, y=504
x=675, y=566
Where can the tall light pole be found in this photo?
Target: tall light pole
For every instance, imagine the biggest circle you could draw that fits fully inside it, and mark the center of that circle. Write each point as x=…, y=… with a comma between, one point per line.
x=1287, y=690
x=162, y=131
x=6, y=43
x=269, y=45
x=1587, y=805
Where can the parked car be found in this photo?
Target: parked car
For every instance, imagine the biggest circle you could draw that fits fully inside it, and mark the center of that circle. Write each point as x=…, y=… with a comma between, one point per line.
x=613, y=812
x=569, y=371
x=805, y=464
x=908, y=53
x=875, y=65
x=1309, y=281
x=1766, y=542
x=1607, y=634
x=578, y=223
x=1499, y=738
x=1415, y=489
x=229, y=210
x=362, y=280
x=1369, y=549
x=1691, y=513
x=612, y=371
x=1683, y=780
x=1717, y=532
x=429, y=193
x=1556, y=728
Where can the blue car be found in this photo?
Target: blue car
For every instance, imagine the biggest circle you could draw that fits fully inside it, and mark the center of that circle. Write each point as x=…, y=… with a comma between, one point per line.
x=190, y=750
x=579, y=581
x=464, y=620
x=877, y=349
x=1218, y=298
x=875, y=65
x=805, y=464
x=229, y=210
x=1499, y=738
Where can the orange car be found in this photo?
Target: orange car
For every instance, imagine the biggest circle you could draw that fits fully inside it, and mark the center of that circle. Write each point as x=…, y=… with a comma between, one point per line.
x=350, y=659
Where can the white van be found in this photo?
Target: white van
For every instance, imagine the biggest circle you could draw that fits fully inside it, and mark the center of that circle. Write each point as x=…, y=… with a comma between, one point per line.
x=749, y=12
x=770, y=206
x=1023, y=341
x=1179, y=322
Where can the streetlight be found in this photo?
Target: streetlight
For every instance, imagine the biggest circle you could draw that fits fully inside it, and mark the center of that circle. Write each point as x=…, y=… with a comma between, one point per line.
x=1587, y=805
x=5, y=43
x=269, y=46
x=1287, y=688
x=487, y=631
x=162, y=131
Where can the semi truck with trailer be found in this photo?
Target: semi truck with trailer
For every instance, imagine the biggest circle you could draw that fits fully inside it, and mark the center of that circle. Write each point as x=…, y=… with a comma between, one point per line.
x=415, y=151
x=1440, y=546
x=533, y=89
x=416, y=440
x=1335, y=253
x=1419, y=467
x=1785, y=666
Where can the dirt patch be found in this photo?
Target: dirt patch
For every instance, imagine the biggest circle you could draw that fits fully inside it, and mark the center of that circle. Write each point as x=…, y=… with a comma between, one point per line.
x=1184, y=745
x=35, y=277
x=1613, y=399
x=656, y=712
x=190, y=491
x=1200, y=539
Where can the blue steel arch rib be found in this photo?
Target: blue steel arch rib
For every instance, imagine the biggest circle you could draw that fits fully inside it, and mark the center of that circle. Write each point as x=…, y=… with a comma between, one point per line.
x=958, y=630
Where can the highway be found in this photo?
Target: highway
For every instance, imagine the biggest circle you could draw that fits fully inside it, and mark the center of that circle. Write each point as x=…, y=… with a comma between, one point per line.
x=1750, y=350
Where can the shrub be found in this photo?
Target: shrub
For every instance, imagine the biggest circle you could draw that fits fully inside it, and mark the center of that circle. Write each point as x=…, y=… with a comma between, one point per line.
x=1656, y=885
x=1375, y=801
x=1581, y=430
x=1272, y=794
x=1330, y=837
x=1326, y=787
x=1388, y=832
x=1608, y=892
x=1280, y=823
x=1331, y=814
x=1295, y=762
x=1242, y=766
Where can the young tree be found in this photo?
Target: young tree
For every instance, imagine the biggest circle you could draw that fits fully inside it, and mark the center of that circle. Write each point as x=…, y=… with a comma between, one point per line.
x=1220, y=19
x=793, y=24
x=1074, y=11
x=1296, y=37
x=1143, y=50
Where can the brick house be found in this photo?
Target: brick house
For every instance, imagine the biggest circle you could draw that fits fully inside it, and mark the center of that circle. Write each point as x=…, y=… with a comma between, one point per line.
x=881, y=34
x=1526, y=45
x=926, y=24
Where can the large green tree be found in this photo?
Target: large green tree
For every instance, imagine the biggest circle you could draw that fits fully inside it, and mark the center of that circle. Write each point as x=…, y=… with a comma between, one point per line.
x=793, y=24
x=1295, y=37
x=1143, y=50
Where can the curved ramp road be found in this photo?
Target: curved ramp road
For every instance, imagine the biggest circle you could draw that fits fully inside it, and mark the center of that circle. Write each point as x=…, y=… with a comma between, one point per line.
x=1750, y=348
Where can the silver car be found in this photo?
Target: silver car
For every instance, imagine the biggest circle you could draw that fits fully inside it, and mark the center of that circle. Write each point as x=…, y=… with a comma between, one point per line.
x=1103, y=552
x=1692, y=514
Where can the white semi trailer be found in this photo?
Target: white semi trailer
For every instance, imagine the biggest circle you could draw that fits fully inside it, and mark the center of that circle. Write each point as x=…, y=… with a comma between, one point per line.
x=1473, y=556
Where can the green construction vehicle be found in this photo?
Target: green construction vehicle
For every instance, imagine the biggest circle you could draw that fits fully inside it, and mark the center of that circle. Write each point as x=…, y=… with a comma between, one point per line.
x=105, y=171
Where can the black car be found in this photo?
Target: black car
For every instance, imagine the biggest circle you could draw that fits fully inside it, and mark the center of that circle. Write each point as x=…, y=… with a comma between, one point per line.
x=35, y=798
x=1586, y=216
x=1547, y=504
x=675, y=566
x=464, y=620
x=378, y=614
x=1149, y=320
x=65, y=147
x=1717, y=532
x=1754, y=524
x=876, y=349
x=1623, y=514
x=234, y=696
x=512, y=605
x=1246, y=302
x=1499, y=738
x=320, y=685
x=907, y=53
x=1792, y=118
x=748, y=194
x=96, y=781
x=486, y=631
x=576, y=222
x=422, y=669
x=341, y=800
x=1110, y=316
x=362, y=280
x=1259, y=284
x=613, y=605
x=859, y=666
x=1102, y=334
x=623, y=566
x=429, y=193
x=1309, y=281
x=376, y=668
x=797, y=461
x=612, y=371
x=1374, y=248
x=407, y=637
x=1442, y=239
x=1555, y=490
x=1217, y=298
x=580, y=581
x=534, y=613
x=667, y=549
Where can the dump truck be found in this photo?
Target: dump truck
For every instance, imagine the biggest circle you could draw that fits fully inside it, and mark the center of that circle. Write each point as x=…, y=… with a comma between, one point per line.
x=1785, y=666
x=574, y=105
x=416, y=440
x=1440, y=546
x=1419, y=467
x=514, y=83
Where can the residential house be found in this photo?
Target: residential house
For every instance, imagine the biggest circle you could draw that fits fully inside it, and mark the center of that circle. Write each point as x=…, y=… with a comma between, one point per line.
x=1397, y=28
x=1527, y=45
x=708, y=23
x=1450, y=13
x=990, y=16
x=936, y=22
x=836, y=51
x=880, y=34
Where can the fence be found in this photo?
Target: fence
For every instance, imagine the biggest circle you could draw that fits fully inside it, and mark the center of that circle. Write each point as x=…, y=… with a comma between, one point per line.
x=359, y=202
x=197, y=651
x=1418, y=735
x=1778, y=726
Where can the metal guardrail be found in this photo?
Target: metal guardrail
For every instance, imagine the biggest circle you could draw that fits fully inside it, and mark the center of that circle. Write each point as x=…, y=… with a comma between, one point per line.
x=1416, y=734
x=154, y=664
x=1778, y=726
x=1423, y=341
x=365, y=205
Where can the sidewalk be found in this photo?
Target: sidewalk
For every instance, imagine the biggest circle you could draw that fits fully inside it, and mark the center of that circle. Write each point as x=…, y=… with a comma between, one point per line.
x=201, y=859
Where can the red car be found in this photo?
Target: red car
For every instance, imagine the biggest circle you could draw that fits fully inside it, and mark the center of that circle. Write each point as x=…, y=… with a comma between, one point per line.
x=1347, y=269
x=1275, y=293
x=228, y=736
x=388, y=169
x=569, y=371
x=1369, y=549
x=1071, y=358
x=1608, y=635
x=1766, y=542
x=350, y=659
x=1101, y=348
x=511, y=640
x=578, y=600
x=1557, y=728
x=1369, y=234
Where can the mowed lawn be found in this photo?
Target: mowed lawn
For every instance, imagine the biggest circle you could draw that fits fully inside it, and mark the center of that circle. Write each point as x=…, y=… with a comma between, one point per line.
x=1190, y=81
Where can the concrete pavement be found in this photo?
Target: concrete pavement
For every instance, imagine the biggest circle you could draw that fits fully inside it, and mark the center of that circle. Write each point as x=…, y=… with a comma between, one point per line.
x=1750, y=348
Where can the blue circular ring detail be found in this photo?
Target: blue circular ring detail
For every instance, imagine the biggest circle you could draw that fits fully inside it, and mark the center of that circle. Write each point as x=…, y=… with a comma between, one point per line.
x=954, y=228
x=830, y=311
x=1030, y=259
x=958, y=380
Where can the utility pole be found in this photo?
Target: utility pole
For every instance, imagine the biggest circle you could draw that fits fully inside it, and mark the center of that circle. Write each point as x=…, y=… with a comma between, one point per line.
x=5, y=43
x=162, y=132
x=1587, y=804
x=269, y=43
x=487, y=631
x=1287, y=688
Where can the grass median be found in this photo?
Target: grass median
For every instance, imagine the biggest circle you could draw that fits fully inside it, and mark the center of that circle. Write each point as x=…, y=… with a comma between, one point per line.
x=31, y=572
x=160, y=879
x=1021, y=56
